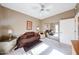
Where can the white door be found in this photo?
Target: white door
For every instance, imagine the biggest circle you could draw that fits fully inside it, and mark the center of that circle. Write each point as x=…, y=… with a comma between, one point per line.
x=67, y=30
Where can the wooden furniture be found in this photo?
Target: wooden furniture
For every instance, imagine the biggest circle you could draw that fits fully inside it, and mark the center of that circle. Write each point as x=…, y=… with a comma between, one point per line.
x=75, y=47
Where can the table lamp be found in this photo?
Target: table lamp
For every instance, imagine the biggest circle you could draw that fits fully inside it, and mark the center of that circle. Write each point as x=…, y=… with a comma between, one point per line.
x=10, y=33
x=38, y=29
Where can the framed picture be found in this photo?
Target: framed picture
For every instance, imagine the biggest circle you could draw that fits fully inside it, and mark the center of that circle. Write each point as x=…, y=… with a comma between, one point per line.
x=29, y=25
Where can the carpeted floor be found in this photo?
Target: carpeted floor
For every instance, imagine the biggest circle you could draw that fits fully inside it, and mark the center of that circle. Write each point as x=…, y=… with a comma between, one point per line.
x=46, y=47
x=55, y=45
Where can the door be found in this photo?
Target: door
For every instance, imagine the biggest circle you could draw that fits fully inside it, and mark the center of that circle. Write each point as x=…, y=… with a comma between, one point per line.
x=67, y=30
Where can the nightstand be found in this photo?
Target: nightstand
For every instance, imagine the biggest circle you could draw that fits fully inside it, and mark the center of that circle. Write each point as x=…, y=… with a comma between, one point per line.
x=75, y=47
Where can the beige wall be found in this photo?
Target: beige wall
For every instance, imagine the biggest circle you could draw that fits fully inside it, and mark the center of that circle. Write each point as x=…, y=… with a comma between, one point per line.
x=17, y=20
x=77, y=8
x=56, y=18
x=1, y=13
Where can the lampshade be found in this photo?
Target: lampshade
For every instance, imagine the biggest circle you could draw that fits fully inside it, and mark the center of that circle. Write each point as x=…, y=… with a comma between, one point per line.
x=9, y=31
x=37, y=28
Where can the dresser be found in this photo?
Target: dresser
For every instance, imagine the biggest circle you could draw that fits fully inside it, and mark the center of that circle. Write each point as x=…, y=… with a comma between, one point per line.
x=75, y=47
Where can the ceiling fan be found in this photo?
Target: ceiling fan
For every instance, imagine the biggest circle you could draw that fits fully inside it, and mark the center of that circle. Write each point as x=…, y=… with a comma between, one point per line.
x=44, y=7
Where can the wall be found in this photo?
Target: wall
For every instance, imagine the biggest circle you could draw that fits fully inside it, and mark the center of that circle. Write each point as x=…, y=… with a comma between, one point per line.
x=1, y=13
x=56, y=18
x=17, y=20
x=77, y=8
x=77, y=16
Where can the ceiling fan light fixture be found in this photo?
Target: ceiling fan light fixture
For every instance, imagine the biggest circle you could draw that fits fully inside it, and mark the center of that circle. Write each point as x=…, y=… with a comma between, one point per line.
x=42, y=9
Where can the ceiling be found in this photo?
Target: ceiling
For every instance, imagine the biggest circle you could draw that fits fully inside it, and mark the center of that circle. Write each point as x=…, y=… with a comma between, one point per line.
x=40, y=10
